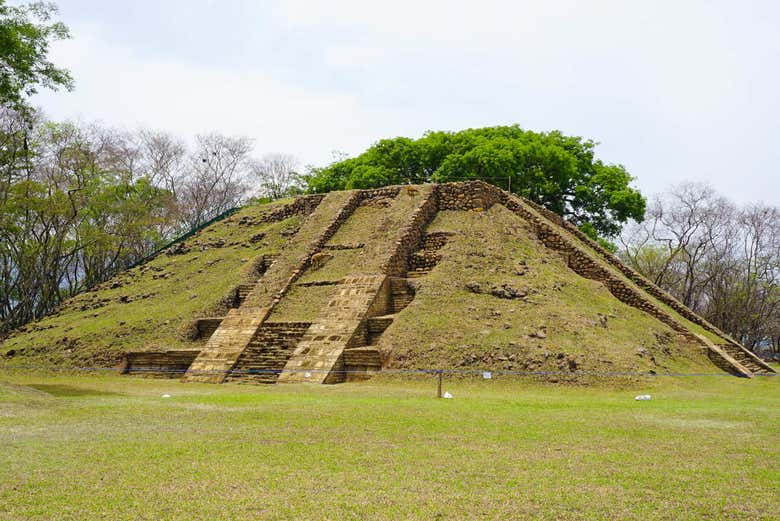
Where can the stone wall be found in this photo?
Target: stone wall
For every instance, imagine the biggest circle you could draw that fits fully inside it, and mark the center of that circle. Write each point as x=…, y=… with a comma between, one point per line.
x=412, y=234
x=472, y=195
x=160, y=364
x=303, y=205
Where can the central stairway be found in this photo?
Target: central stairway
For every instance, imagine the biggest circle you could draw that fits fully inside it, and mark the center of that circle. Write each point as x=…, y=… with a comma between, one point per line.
x=268, y=352
x=238, y=328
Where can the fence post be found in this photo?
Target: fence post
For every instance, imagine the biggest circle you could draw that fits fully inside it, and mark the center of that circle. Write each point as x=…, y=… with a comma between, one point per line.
x=438, y=390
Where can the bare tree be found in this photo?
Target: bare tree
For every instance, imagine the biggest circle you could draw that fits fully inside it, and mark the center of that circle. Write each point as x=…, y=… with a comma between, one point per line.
x=163, y=156
x=217, y=178
x=277, y=175
x=681, y=229
x=721, y=261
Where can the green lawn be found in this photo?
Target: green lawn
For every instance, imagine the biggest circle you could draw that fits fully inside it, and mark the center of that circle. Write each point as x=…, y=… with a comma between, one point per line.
x=109, y=447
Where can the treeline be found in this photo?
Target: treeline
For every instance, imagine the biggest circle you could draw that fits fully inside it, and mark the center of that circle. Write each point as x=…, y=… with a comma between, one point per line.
x=720, y=259
x=79, y=202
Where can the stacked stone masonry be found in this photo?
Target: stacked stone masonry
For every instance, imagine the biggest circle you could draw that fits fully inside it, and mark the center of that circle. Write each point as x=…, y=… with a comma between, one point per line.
x=159, y=364
x=268, y=352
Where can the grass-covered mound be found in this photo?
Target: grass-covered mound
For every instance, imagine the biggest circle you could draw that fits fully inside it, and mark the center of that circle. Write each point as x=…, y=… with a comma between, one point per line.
x=498, y=300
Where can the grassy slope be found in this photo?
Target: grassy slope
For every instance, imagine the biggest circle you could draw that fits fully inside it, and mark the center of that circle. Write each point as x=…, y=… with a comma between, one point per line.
x=165, y=296
x=476, y=330
x=112, y=448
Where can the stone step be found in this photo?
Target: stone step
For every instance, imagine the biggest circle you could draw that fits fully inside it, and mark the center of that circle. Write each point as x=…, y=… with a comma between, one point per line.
x=207, y=325
x=160, y=364
x=379, y=324
x=267, y=352
x=401, y=293
x=744, y=358
x=361, y=362
x=375, y=326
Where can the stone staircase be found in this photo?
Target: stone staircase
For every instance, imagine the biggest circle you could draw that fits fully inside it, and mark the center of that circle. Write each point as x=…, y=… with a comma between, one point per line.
x=238, y=328
x=242, y=292
x=268, y=352
x=347, y=320
x=746, y=358
x=318, y=356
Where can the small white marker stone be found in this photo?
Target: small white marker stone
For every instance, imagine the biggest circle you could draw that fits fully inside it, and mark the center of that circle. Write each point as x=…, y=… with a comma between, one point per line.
x=307, y=374
x=487, y=375
x=642, y=397
x=447, y=395
x=166, y=396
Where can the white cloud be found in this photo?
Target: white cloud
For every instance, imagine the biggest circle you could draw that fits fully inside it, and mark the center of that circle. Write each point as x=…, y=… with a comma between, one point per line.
x=118, y=87
x=674, y=90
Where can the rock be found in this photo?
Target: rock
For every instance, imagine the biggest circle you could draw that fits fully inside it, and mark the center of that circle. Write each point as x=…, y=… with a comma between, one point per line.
x=508, y=292
x=474, y=287
x=178, y=249
x=10, y=353
x=603, y=320
x=257, y=237
x=539, y=334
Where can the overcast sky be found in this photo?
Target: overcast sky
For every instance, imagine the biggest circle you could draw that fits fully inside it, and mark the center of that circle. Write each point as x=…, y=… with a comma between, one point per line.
x=681, y=90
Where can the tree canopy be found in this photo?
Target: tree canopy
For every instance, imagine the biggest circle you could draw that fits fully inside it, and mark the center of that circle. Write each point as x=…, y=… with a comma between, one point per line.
x=25, y=34
x=560, y=172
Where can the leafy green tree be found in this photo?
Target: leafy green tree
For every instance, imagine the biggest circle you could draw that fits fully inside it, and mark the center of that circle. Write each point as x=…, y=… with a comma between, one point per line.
x=25, y=34
x=557, y=171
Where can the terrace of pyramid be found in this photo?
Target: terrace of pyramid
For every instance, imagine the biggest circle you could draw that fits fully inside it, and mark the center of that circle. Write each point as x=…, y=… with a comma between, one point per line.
x=345, y=285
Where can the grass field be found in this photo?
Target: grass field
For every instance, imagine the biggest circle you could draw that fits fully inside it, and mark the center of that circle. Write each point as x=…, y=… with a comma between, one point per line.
x=108, y=447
